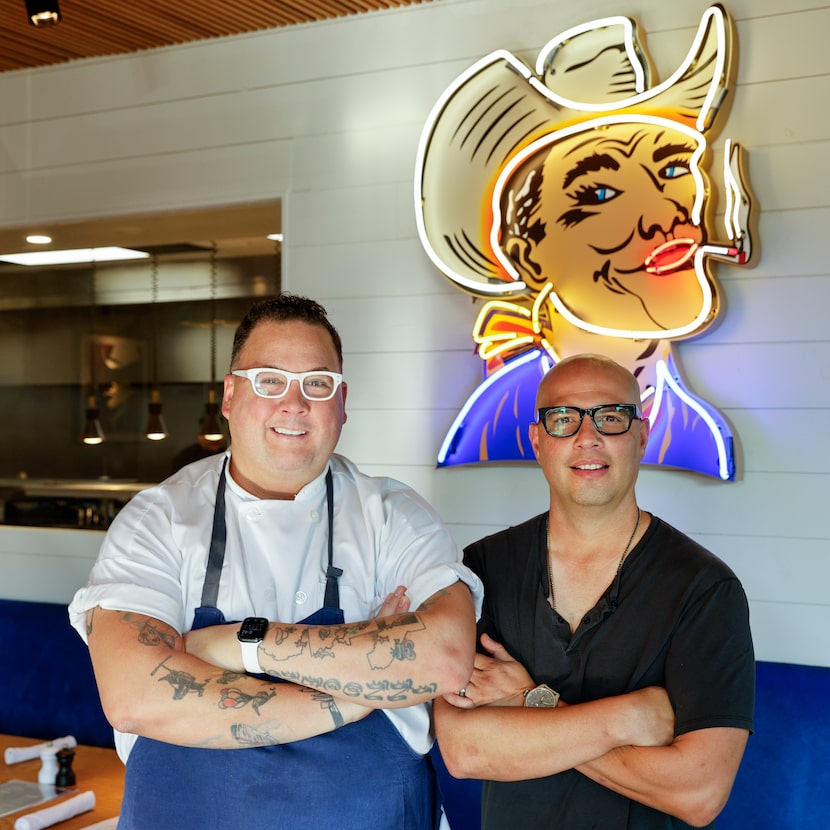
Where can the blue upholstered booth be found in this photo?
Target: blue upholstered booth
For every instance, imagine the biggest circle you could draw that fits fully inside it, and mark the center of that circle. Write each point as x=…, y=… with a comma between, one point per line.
x=50, y=689
x=784, y=780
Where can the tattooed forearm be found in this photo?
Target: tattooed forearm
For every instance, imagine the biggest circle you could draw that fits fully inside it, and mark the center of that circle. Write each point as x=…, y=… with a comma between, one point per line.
x=326, y=701
x=233, y=698
x=387, y=650
x=249, y=736
x=436, y=597
x=151, y=632
x=230, y=697
x=230, y=676
x=387, y=640
x=346, y=633
x=182, y=682
x=397, y=691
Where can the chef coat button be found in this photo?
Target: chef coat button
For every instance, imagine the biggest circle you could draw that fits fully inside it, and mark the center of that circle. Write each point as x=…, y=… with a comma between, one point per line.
x=300, y=597
x=315, y=516
x=254, y=515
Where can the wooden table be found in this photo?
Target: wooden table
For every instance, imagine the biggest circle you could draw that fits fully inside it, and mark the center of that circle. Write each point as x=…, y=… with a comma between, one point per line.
x=96, y=769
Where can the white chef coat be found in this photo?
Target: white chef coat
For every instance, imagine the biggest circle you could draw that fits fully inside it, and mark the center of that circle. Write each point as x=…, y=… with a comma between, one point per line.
x=154, y=556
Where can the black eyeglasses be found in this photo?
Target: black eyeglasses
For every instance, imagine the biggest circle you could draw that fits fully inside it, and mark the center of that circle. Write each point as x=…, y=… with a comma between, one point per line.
x=609, y=418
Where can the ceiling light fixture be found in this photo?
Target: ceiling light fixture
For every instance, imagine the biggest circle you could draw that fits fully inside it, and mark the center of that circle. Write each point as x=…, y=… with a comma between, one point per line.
x=156, y=428
x=277, y=266
x=38, y=239
x=93, y=432
x=211, y=428
x=43, y=13
x=74, y=256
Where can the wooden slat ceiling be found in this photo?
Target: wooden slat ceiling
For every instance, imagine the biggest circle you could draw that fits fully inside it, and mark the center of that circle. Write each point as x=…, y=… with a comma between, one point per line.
x=95, y=28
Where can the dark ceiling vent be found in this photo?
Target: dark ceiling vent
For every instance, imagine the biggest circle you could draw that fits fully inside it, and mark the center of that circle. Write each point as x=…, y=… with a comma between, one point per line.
x=174, y=248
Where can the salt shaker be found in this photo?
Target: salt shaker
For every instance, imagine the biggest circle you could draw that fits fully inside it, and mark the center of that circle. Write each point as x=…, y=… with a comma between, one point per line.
x=48, y=766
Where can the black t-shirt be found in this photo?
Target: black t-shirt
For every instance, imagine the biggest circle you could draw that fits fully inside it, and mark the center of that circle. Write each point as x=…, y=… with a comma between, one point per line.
x=675, y=616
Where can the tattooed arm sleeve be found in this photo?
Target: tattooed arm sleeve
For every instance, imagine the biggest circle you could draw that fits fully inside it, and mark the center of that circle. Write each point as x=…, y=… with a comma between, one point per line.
x=150, y=686
x=388, y=662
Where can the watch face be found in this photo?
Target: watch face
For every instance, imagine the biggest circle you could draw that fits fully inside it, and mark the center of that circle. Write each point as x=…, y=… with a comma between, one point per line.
x=542, y=696
x=252, y=629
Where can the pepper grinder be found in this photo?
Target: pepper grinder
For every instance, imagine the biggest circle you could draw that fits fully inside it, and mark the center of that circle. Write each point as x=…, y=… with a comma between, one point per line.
x=65, y=774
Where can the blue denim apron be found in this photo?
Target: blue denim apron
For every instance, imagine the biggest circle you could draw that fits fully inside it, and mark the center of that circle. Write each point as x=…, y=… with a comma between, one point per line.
x=362, y=776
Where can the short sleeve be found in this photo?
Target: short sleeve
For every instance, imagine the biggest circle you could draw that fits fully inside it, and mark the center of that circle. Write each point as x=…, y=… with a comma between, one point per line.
x=710, y=667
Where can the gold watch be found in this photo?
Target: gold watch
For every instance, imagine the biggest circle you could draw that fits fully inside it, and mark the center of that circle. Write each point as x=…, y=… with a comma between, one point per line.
x=542, y=696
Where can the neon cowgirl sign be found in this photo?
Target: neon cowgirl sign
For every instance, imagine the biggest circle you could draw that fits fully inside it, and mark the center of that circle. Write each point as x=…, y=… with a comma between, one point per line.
x=574, y=198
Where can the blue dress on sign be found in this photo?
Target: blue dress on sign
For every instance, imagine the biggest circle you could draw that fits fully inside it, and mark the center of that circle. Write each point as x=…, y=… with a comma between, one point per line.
x=686, y=432
x=361, y=775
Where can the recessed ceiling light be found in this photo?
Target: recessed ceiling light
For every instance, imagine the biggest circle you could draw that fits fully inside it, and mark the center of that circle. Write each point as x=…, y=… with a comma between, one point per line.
x=277, y=237
x=38, y=239
x=73, y=256
x=43, y=13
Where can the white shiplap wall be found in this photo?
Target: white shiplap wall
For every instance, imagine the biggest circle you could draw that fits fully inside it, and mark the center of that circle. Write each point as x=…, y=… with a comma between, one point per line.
x=328, y=117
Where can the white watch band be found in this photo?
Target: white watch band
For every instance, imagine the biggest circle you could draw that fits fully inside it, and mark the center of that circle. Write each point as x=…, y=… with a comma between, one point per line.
x=250, y=657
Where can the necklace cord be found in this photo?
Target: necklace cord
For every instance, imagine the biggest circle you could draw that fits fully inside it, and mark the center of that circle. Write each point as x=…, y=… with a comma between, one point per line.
x=551, y=596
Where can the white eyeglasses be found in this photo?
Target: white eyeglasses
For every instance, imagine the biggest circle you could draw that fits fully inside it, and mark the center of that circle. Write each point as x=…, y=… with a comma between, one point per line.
x=274, y=383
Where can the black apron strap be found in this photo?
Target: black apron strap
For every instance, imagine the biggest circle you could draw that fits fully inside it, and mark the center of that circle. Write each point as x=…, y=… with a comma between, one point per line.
x=332, y=596
x=216, y=555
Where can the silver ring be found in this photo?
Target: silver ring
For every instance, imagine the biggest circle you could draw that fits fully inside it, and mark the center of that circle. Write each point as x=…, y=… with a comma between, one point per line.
x=463, y=692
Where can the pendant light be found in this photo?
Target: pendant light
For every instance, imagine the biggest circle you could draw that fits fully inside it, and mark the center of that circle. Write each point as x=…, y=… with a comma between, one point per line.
x=211, y=428
x=156, y=428
x=277, y=239
x=43, y=13
x=93, y=432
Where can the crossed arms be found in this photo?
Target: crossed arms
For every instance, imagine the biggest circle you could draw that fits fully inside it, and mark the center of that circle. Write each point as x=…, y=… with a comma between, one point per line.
x=192, y=690
x=624, y=743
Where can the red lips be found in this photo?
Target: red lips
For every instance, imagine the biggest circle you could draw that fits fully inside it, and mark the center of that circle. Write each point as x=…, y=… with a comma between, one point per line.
x=670, y=256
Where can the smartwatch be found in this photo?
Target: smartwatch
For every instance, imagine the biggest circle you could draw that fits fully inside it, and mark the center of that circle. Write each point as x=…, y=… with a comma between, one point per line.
x=542, y=696
x=251, y=633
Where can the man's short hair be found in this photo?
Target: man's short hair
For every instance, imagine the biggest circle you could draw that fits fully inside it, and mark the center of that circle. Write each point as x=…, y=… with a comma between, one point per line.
x=279, y=309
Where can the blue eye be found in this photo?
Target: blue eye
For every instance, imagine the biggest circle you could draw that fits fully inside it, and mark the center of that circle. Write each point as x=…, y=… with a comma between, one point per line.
x=595, y=194
x=675, y=171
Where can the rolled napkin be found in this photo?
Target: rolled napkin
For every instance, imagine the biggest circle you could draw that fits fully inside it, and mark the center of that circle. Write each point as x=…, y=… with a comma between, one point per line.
x=16, y=754
x=60, y=812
